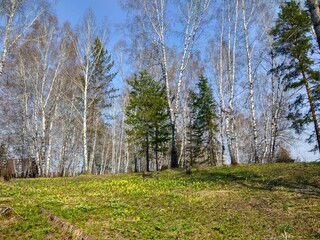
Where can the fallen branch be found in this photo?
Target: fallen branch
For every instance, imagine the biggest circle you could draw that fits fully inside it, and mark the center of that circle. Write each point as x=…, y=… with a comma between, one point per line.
x=6, y=211
x=77, y=232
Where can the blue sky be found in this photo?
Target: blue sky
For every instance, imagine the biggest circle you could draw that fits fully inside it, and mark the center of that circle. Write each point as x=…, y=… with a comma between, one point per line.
x=74, y=10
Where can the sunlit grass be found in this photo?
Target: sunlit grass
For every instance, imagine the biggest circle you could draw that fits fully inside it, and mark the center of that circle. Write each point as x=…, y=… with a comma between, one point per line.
x=273, y=201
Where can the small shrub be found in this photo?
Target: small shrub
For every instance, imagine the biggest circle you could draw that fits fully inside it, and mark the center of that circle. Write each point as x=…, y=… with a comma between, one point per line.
x=315, y=181
x=164, y=167
x=286, y=228
x=283, y=156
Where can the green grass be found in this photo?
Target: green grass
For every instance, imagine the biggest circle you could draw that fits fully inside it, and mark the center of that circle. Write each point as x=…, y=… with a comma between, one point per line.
x=272, y=201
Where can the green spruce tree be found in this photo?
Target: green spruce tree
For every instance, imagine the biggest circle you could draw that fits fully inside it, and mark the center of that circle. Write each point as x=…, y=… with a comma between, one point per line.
x=147, y=117
x=100, y=88
x=293, y=42
x=203, y=123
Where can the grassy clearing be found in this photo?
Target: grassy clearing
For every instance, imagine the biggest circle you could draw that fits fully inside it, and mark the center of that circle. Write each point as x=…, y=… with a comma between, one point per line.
x=274, y=201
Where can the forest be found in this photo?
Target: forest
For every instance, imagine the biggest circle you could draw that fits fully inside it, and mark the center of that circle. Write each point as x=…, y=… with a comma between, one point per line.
x=187, y=83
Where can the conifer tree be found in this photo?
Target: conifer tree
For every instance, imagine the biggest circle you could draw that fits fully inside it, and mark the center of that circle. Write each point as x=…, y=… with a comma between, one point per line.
x=148, y=117
x=292, y=40
x=100, y=93
x=101, y=66
x=203, y=125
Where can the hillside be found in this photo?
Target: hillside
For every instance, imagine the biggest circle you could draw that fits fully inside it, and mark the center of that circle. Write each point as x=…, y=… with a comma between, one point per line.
x=273, y=201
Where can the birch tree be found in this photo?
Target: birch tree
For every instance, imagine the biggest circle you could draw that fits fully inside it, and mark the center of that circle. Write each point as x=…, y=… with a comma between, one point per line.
x=10, y=10
x=246, y=21
x=221, y=88
x=70, y=122
x=231, y=56
x=44, y=65
x=223, y=64
x=84, y=51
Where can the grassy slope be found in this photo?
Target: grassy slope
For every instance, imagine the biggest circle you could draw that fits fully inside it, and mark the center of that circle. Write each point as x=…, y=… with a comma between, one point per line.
x=271, y=201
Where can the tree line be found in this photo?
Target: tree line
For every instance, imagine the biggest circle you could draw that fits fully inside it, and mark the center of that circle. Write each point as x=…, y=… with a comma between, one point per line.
x=197, y=82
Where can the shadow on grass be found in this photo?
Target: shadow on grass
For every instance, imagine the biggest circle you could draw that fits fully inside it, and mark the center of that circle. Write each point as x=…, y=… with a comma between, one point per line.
x=227, y=177
x=254, y=181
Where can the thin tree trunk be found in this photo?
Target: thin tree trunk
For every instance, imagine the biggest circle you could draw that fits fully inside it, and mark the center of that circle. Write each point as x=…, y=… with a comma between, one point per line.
x=62, y=157
x=230, y=123
x=312, y=109
x=106, y=156
x=5, y=44
x=25, y=123
x=136, y=168
x=276, y=105
x=121, y=142
x=265, y=139
x=35, y=134
x=93, y=147
x=48, y=159
x=127, y=157
x=84, y=118
x=147, y=153
x=250, y=83
x=43, y=148
x=103, y=154
x=173, y=114
x=184, y=137
x=314, y=9
x=113, y=157
x=191, y=141
x=221, y=97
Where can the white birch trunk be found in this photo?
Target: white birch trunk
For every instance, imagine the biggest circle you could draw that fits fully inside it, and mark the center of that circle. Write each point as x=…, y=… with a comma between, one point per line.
x=62, y=156
x=26, y=131
x=48, y=160
x=221, y=96
x=107, y=156
x=84, y=126
x=85, y=114
x=250, y=86
x=103, y=153
x=231, y=98
x=94, y=144
x=35, y=134
x=113, y=155
x=184, y=136
x=5, y=44
x=230, y=124
x=127, y=157
x=43, y=147
x=314, y=9
x=121, y=142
